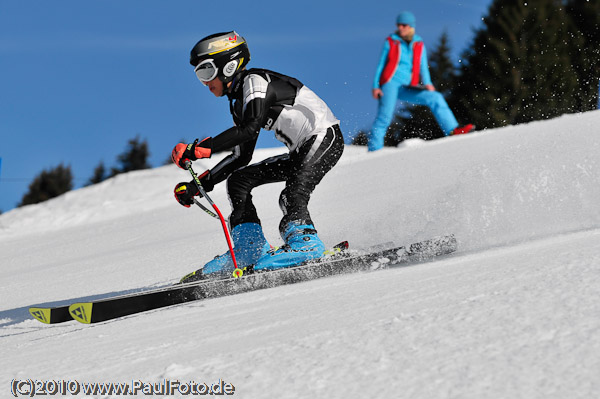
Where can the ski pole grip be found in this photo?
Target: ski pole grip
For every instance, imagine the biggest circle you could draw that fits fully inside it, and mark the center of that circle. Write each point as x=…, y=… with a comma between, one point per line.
x=188, y=165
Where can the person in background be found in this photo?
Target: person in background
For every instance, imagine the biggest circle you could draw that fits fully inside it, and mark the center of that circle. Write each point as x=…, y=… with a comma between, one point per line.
x=403, y=74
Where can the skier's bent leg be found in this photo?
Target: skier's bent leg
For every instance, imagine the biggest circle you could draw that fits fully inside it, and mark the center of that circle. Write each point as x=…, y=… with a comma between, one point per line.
x=296, y=227
x=301, y=244
x=247, y=235
x=249, y=244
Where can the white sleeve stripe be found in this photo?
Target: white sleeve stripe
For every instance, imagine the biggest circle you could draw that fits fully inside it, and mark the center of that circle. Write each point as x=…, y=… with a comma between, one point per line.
x=254, y=95
x=254, y=87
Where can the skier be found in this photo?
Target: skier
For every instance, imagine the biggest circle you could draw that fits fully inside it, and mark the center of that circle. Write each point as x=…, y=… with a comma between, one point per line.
x=403, y=74
x=261, y=98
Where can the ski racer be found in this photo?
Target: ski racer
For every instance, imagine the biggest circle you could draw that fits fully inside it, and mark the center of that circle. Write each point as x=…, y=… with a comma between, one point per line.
x=403, y=74
x=261, y=98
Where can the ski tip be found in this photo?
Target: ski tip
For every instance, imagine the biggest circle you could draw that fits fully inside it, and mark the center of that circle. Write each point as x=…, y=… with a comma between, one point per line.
x=342, y=246
x=82, y=312
x=41, y=314
x=187, y=278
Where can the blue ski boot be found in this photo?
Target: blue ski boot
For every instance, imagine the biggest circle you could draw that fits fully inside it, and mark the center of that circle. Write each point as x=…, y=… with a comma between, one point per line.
x=249, y=244
x=301, y=244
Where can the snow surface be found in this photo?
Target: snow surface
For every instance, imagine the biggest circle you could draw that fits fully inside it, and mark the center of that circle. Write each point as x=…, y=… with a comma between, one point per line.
x=515, y=313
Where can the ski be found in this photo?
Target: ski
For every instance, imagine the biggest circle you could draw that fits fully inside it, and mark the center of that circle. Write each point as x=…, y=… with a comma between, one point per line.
x=51, y=315
x=61, y=313
x=338, y=263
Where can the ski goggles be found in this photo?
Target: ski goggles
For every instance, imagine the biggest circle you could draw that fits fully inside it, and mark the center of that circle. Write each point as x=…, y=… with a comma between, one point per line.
x=206, y=71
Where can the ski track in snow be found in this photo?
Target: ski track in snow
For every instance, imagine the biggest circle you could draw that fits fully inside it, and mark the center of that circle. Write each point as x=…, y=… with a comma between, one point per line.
x=514, y=313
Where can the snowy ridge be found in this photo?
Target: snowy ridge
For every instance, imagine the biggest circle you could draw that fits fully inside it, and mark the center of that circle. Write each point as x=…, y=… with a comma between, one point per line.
x=514, y=313
x=124, y=194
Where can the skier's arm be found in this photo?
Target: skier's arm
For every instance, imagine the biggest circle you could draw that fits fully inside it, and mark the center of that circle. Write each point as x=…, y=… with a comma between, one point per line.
x=227, y=140
x=424, y=72
x=244, y=135
x=258, y=96
x=241, y=156
x=381, y=64
x=236, y=135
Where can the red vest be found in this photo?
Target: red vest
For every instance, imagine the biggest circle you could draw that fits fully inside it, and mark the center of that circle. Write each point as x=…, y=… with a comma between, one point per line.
x=393, y=58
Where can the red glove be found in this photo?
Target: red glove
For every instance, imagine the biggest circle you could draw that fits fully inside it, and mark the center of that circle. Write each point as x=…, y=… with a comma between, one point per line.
x=183, y=153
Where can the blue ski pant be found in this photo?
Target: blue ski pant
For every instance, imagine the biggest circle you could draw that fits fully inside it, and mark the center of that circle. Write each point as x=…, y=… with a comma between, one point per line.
x=393, y=92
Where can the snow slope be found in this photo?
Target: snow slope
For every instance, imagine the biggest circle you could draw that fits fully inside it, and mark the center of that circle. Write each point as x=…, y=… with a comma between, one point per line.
x=514, y=313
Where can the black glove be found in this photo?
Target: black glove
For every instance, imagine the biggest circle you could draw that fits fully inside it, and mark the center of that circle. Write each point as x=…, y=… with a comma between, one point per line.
x=185, y=192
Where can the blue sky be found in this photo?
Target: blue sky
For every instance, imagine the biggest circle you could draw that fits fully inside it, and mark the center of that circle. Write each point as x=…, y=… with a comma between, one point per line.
x=78, y=79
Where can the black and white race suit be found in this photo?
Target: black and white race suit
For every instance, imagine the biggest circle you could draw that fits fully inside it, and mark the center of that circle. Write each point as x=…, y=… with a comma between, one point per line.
x=260, y=98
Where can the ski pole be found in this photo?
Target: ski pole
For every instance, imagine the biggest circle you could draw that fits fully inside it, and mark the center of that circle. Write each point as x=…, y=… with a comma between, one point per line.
x=205, y=209
x=188, y=165
x=237, y=272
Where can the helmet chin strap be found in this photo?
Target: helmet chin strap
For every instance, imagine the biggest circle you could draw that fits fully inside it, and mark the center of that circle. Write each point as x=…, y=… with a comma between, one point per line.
x=227, y=87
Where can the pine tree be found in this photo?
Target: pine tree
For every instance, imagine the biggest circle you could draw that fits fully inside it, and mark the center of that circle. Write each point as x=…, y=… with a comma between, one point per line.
x=585, y=23
x=442, y=69
x=135, y=157
x=360, y=138
x=519, y=68
x=397, y=132
x=98, y=176
x=49, y=184
x=421, y=124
